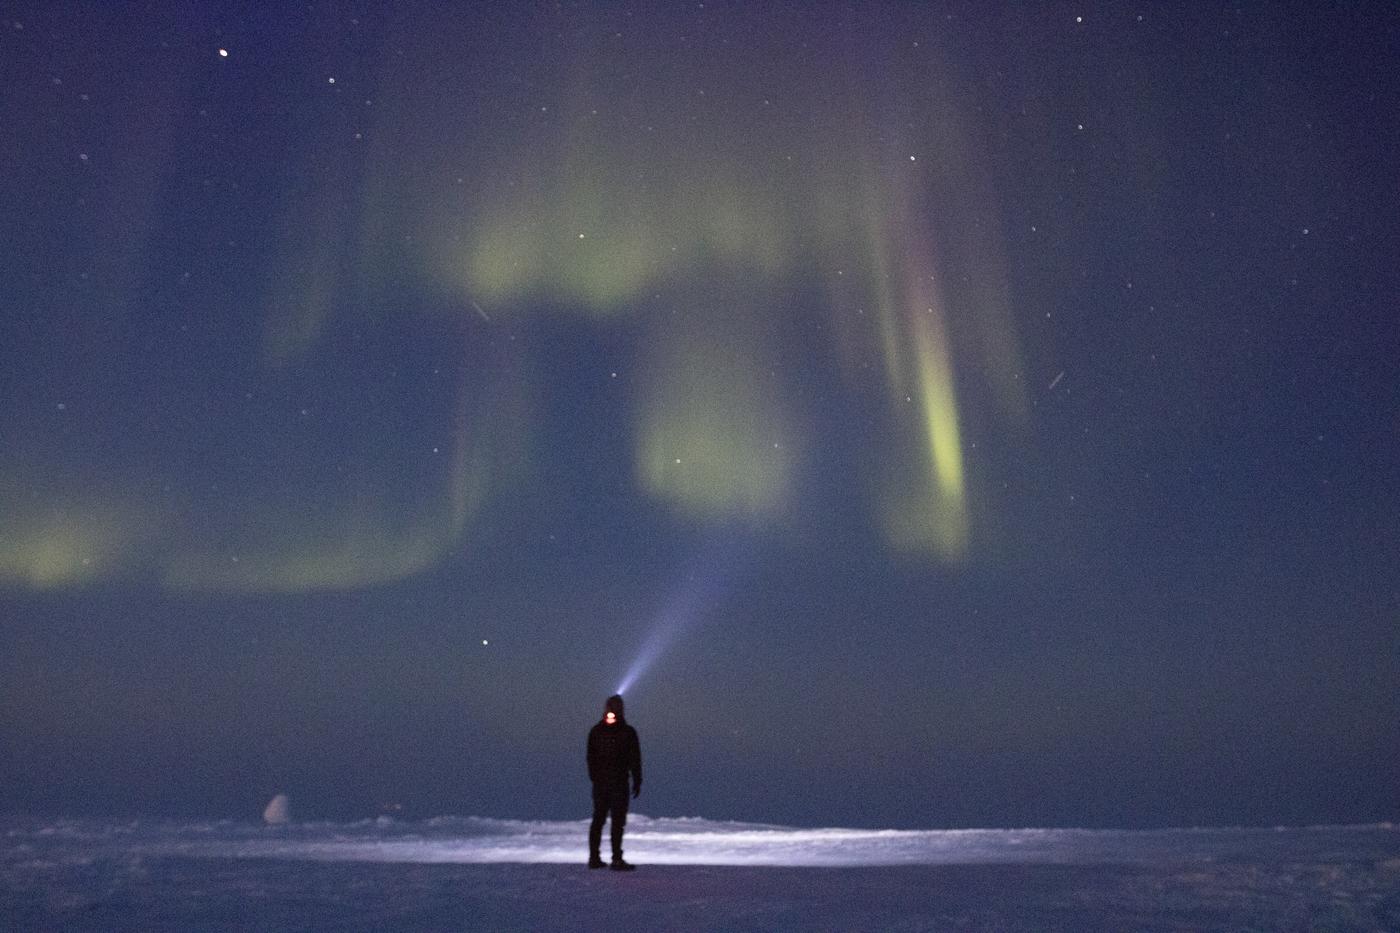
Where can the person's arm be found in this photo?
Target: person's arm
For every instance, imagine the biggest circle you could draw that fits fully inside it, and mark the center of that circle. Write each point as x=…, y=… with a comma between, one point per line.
x=592, y=755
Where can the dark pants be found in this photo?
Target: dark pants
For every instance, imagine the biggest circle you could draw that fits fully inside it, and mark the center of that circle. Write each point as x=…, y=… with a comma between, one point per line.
x=608, y=800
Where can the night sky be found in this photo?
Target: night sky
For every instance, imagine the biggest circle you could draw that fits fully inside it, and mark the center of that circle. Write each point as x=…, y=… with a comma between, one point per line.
x=961, y=416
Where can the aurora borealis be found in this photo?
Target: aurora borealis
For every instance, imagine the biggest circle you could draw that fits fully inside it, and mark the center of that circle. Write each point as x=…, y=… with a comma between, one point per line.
x=376, y=378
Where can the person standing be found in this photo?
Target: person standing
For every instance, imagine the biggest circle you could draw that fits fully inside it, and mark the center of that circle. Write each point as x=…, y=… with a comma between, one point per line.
x=614, y=754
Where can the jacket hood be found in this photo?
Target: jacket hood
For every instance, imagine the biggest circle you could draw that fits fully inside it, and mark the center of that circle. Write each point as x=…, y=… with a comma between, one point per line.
x=613, y=705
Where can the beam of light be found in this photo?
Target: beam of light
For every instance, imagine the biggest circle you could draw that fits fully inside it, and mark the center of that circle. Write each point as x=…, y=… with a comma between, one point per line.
x=700, y=588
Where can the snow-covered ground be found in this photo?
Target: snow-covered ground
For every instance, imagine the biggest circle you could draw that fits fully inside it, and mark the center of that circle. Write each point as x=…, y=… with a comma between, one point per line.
x=473, y=873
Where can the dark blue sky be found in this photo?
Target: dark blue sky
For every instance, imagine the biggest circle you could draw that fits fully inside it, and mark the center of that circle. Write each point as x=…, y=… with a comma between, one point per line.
x=989, y=418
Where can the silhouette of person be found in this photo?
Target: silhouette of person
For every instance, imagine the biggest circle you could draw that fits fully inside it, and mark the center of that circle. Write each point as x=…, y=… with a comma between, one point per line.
x=613, y=754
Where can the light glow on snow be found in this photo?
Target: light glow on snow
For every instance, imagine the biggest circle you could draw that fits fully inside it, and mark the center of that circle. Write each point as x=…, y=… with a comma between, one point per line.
x=466, y=873
x=686, y=841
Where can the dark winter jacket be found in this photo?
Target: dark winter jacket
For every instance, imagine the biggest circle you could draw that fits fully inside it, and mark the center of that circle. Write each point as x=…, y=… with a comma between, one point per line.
x=613, y=753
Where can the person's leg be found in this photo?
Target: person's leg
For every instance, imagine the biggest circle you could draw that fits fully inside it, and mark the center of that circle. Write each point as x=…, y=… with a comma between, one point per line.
x=595, y=829
x=619, y=821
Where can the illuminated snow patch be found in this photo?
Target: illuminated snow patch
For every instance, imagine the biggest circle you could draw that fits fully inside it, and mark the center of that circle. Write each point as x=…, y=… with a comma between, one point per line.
x=674, y=841
x=684, y=841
